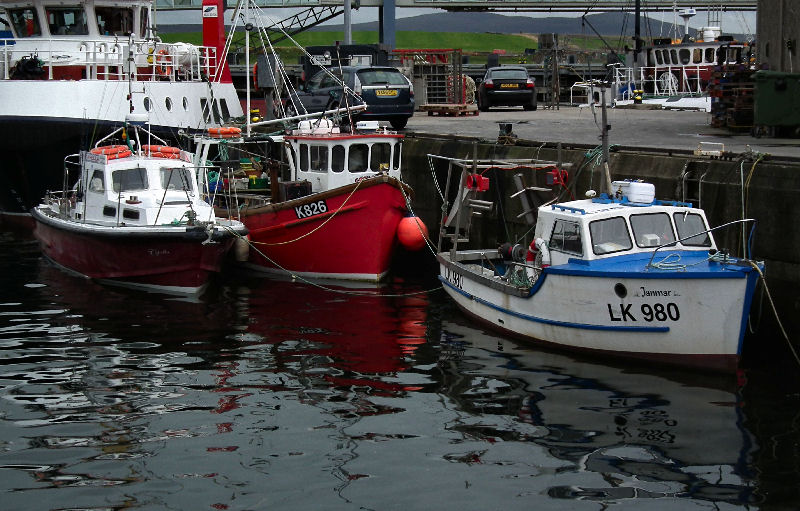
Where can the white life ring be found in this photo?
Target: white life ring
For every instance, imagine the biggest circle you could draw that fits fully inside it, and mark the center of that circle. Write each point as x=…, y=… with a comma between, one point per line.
x=538, y=258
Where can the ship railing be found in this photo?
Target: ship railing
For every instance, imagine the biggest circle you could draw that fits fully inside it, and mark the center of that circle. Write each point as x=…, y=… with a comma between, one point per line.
x=660, y=81
x=110, y=59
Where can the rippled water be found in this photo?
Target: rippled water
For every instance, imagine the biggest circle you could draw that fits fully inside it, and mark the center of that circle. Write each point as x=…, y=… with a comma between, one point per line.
x=265, y=394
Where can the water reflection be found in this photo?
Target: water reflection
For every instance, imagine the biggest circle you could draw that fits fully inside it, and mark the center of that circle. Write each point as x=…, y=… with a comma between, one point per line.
x=643, y=436
x=268, y=394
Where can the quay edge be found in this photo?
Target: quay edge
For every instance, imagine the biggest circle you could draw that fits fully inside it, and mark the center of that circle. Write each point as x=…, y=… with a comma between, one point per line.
x=772, y=197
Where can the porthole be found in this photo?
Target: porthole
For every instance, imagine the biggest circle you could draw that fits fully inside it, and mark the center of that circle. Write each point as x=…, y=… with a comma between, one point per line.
x=168, y=104
x=147, y=104
x=185, y=104
x=621, y=290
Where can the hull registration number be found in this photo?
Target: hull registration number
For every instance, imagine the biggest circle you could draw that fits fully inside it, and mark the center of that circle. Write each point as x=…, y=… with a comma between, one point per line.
x=311, y=209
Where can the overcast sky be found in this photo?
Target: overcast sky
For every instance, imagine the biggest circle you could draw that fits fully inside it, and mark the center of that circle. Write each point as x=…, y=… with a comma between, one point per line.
x=732, y=22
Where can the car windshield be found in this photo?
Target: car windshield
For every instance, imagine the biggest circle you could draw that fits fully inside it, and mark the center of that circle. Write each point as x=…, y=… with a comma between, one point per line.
x=510, y=74
x=381, y=77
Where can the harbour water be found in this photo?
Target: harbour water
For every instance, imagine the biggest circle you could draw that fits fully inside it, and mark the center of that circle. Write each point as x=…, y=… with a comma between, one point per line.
x=270, y=394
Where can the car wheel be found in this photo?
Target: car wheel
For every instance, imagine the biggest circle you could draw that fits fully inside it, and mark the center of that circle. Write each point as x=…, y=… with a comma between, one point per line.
x=483, y=105
x=399, y=124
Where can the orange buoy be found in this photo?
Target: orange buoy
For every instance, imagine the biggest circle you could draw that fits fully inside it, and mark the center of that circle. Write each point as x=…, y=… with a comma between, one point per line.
x=168, y=156
x=412, y=233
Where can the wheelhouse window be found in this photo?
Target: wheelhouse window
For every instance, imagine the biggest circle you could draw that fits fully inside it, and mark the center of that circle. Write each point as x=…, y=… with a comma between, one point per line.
x=114, y=20
x=319, y=158
x=176, y=178
x=96, y=184
x=397, y=152
x=380, y=157
x=129, y=180
x=710, y=55
x=67, y=20
x=610, y=235
x=689, y=224
x=652, y=229
x=697, y=56
x=357, y=158
x=25, y=22
x=674, y=57
x=337, y=158
x=659, y=57
x=145, y=21
x=566, y=237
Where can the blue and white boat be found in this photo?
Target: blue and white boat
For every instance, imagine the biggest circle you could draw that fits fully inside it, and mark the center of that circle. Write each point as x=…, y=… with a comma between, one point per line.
x=620, y=274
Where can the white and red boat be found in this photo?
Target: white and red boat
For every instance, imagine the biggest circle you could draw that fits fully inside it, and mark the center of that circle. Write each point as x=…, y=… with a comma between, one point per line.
x=341, y=213
x=135, y=217
x=71, y=69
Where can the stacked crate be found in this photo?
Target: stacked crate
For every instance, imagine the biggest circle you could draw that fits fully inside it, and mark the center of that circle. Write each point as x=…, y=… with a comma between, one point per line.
x=731, y=89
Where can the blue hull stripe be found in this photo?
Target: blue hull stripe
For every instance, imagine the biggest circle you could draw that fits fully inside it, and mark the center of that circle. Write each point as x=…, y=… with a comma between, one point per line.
x=582, y=326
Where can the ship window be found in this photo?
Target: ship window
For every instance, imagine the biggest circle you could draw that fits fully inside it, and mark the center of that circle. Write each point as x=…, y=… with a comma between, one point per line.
x=168, y=104
x=109, y=211
x=25, y=22
x=652, y=229
x=691, y=223
x=215, y=108
x=610, y=235
x=710, y=55
x=566, y=237
x=144, y=22
x=380, y=157
x=96, y=183
x=303, y=153
x=684, y=56
x=226, y=114
x=114, y=20
x=674, y=56
x=176, y=179
x=357, y=158
x=130, y=214
x=67, y=21
x=206, y=111
x=337, y=158
x=397, y=153
x=129, y=180
x=148, y=105
x=659, y=57
x=697, y=56
x=319, y=158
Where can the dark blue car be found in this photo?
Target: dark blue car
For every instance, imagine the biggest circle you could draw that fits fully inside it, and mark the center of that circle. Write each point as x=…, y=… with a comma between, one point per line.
x=388, y=94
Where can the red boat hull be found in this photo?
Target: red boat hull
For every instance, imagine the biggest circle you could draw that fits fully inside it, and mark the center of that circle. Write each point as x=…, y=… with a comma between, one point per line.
x=346, y=233
x=170, y=262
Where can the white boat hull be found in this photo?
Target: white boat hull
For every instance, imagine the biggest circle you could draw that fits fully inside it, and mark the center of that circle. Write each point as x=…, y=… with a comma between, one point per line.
x=664, y=316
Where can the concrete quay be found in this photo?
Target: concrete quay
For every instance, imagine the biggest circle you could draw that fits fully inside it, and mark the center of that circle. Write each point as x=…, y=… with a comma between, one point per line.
x=676, y=130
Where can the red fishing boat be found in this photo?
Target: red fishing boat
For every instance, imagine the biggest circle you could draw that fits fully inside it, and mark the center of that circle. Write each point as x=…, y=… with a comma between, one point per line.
x=342, y=212
x=136, y=217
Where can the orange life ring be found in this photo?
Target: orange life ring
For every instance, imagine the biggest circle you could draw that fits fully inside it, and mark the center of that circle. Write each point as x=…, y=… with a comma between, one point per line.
x=163, y=63
x=168, y=156
x=121, y=154
x=225, y=132
x=163, y=149
x=109, y=149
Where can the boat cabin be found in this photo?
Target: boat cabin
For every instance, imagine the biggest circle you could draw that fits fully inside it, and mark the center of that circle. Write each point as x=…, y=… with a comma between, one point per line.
x=329, y=158
x=604, y=227
x=138, y=191
x=55, y=18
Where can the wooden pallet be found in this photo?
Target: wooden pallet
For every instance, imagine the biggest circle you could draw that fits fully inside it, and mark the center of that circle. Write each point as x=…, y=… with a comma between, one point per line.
x=449, y=109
